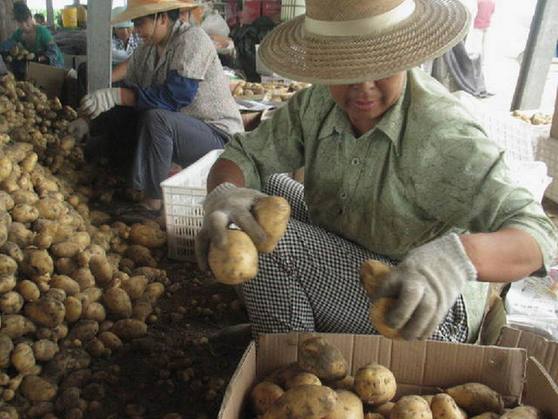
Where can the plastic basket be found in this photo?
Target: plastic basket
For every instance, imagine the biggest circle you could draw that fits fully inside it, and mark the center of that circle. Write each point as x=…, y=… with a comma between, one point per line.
x=183, y=195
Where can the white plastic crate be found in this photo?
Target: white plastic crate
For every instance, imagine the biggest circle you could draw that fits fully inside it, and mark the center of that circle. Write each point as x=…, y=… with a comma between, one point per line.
x=183, y=195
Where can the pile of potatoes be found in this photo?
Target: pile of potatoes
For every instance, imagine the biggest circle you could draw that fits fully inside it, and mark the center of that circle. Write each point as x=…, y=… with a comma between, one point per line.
x=271, y=91
x=72, y=287
x=19, y=53
x=319, y=386
x=536, y=118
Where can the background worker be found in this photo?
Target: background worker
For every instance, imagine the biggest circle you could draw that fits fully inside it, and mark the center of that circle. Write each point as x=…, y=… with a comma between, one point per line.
x=35, y=38
x=176, y=105
x=396, y=169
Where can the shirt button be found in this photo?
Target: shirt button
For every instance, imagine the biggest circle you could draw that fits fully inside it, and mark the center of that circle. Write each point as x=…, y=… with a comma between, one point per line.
x=343, y=195
x=355, y=161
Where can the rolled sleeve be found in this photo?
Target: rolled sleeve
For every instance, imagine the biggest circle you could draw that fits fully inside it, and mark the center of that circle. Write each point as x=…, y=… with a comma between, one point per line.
x=193, y=56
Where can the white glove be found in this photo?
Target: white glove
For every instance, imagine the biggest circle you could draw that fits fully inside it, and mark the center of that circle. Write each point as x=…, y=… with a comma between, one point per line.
x=224, y=205
x=79, y=128
x=100, y=101
x=426, y=284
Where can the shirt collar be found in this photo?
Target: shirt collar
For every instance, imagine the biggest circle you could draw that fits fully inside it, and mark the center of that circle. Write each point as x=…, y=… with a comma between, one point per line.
x=391, y=123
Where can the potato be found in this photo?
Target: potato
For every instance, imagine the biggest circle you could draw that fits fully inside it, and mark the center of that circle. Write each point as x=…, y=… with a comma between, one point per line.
x=50, y=208
x=319, y=357
x=5, y=167
x=47, y=311
x=411, y=407
x=44, y=349
x=91, y=250
x=154, y=291
x=375, y=384
x=84, y=278
x=272, y=214
x=20, y=235
x=140, y=255
x=6, y=201
x=96, y=348
x=135, y=286
x=372, y=271
x=8, y=266
x=65, y=266
x=6, y=348
x=7, y=283
x=11, y=302
x=304, y=402
x=129, y=329
x=82, y=239
x=444, y=407
x=263, y=395
x=302, y=379
x=476, y=398
x=95, y=311
x=24, y=213
x=16, y=325
x=523, y=412
x=428, y=398
x=65, y=283
x=29, y=162
x=101, y=269
x=22, y=358
x=371, y=415
x=73, y=309
x=37, y=389
x=66, y=249
x=384, y=409
x=118, y=302
x=12, y=250
x=37, y=262
x=92, y=295
x=142, y=308
x=487, y=415
x=349, y=406
x=84, y=330
x=25, y=197
x=147, y=236
x=280, y=376
x=237, y=261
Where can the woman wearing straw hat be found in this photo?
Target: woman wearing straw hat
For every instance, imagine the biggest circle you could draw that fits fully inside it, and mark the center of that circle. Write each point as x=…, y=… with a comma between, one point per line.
x=394, y=166
x=176, y=105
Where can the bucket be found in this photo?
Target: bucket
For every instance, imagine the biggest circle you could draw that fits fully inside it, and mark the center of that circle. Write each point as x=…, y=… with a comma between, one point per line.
x=291, y=9
x=70, y=17
x=81, y=16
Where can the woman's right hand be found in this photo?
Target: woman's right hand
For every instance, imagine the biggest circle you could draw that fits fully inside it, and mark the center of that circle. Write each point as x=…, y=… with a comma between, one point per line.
x=225, y=205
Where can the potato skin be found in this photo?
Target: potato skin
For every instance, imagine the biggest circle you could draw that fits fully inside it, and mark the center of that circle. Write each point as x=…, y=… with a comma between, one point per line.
x=237, y=262
x=272, y=214
x=476, y=398
x=301, y=379
x=444, y=407
x=411, y=407
x=322, y=359
x=349, y=406
x=375, y=384
x=263, y=395
x=522, y=412
x=304, y=402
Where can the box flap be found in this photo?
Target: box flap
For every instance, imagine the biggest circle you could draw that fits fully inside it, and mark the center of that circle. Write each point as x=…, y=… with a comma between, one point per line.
x=544, y=350
x=541, y=390
x=416, y=365
x=243, y=378
x=48, y=78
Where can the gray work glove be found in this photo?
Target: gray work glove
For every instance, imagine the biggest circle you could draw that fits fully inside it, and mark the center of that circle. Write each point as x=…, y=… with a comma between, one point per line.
x=426, y=284
x=78, y=128
x=224, y=205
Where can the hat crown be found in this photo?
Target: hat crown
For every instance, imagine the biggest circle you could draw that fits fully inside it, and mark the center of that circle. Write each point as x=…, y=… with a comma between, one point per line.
x=343, y=10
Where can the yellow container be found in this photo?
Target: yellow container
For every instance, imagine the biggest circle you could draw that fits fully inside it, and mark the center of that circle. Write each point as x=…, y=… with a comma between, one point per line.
x=70, y=17
x=81, y=16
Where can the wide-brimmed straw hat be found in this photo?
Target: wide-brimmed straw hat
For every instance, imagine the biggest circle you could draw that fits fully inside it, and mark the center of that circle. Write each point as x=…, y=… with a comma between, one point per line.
x=350, y=41
x=140, y=8
x=120, y=25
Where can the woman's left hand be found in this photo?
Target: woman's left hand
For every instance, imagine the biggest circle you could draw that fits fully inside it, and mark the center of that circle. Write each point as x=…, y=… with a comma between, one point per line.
x=425, y=285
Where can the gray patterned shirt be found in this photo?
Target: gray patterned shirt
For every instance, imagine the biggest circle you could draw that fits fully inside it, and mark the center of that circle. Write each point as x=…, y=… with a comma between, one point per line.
x=192, y=54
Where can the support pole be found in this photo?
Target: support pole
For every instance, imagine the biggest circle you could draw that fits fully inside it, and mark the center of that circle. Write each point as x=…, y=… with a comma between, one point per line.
x=538, y=55
x=49, y=14
x=98, y=44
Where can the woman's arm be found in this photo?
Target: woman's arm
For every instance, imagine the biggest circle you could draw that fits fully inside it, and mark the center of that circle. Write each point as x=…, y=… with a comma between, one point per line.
x=503, y=256
x=224, y=171
x=119, y=71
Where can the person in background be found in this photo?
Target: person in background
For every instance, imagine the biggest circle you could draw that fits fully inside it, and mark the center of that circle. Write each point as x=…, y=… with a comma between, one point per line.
x=39, y=19
x=396, y=169
x=35, y=38
x=175, y=107
x=481, y=28
x=124, y=39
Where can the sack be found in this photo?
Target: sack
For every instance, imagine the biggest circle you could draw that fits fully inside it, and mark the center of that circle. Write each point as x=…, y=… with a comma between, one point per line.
x=214, y=24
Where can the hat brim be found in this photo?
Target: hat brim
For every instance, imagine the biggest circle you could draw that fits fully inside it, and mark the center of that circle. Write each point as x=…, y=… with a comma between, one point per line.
x=149, y=9
x=434, y=27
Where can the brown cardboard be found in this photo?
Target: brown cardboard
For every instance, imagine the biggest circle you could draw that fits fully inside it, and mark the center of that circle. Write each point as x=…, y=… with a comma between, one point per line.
x=48, y=78
x=419, y=367
x=554, y=126
x=543, y=350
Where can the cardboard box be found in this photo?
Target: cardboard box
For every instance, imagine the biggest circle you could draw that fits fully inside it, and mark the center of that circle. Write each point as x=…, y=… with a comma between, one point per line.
x=48, y=78
x=419, y=367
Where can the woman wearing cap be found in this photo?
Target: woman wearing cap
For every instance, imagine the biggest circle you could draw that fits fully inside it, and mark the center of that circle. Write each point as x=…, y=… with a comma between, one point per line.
x=124, y=39
x=176, y=105
x=35, y=38
x=394, y=166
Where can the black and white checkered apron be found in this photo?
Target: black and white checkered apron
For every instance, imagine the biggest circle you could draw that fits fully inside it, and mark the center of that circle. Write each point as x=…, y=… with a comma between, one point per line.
x=311, y=280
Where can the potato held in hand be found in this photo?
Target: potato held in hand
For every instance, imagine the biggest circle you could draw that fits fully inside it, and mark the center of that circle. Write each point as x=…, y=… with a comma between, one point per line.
x=272, y=214
x=237, y=261
x=372, y=271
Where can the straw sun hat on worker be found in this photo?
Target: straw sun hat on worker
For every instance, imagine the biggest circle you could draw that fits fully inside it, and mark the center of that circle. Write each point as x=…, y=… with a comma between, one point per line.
x=140, y=8
x=351, y=41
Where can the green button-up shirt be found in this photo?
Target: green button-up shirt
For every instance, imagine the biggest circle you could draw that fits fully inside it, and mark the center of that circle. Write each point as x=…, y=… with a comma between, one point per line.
x=427, y=168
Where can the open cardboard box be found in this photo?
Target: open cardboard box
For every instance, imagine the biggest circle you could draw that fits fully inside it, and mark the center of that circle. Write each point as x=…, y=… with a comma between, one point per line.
x=419, y=367
x=48, y=78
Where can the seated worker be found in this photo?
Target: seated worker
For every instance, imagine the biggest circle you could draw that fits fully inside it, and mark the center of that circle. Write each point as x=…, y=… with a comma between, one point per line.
x=176, y=105
x=39, y=19
x=35, y=38
x=124, y=39
x=396, y=169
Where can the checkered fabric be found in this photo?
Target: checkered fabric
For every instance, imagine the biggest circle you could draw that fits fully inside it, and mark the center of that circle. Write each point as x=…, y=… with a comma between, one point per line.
x=311, y=280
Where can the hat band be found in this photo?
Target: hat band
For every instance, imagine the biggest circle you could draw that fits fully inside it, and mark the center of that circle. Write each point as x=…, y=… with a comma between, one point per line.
x=361, y=27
